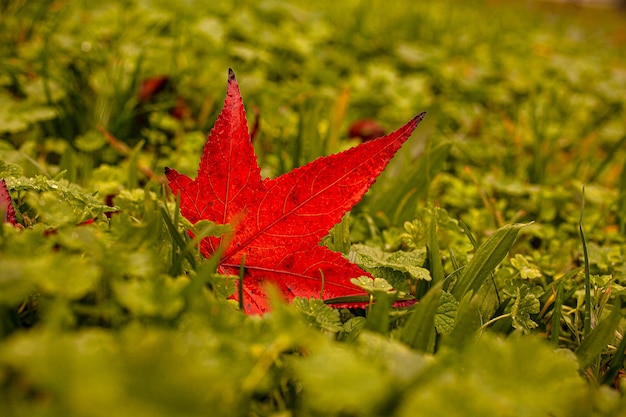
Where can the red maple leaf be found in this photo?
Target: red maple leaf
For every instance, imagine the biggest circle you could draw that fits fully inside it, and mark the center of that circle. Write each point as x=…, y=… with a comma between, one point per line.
x=7, y=212
x=278, y=223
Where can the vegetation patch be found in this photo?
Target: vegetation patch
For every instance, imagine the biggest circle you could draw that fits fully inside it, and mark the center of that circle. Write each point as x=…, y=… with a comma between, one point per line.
x=482, y=273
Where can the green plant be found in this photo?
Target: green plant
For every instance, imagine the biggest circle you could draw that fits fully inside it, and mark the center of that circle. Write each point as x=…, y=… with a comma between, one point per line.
x=108, y=307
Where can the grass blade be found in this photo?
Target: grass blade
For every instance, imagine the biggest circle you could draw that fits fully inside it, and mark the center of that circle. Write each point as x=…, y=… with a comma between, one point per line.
x=434, y=256
x=469, y=234
x=400, y=200
x=587, y=317
x=556, y=314
x=468, y=322
x=617, y=363
x=596, y=341
x=178, y=242
x=419, y=330
x=240, y=286
x=378, y=317
x=487, y=257
x=621, y=201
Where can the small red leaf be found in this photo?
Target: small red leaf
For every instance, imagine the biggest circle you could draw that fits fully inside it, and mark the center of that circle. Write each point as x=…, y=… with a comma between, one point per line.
x=152, y=86
x=6, y=205
x=366, y=130
x=280, y=221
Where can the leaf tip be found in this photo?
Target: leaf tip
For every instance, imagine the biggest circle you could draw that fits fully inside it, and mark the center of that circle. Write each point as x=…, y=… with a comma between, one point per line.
x=6, y=208
x=411, y=125
x=171, y=174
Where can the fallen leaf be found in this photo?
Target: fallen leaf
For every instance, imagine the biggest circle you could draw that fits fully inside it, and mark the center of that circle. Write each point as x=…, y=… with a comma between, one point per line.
x=366, y=130
x=6, y=205
x=278, y=223
x=152, y=86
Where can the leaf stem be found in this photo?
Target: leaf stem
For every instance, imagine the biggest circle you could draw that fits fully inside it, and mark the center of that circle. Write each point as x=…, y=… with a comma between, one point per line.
x=124, y=150
x=493, y=320
x=241, y=272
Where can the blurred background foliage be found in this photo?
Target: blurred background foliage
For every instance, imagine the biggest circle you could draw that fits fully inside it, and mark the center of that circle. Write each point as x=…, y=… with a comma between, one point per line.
x=106, y=308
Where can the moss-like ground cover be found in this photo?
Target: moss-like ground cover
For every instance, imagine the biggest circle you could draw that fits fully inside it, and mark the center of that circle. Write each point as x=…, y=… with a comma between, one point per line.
x=504, y=214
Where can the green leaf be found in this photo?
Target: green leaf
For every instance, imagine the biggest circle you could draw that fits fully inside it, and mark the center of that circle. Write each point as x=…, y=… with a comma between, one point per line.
x=71, y=277
x=372, y=285
x=90, y=141
x=525, y=304
x=94, y=371
x=526, y=270
x=409, y=262
x=330, y=376
x=403, y=363
x=59, y=202
x=156, y=297
x=55, y=274
x=318, y=314
x=445, y=317
x=339, y=236
x=7, y=169
x=351, y=329
x=398, y=268
x=383, y=296
x=14, y=284
x=517, y=376
x=485, y=260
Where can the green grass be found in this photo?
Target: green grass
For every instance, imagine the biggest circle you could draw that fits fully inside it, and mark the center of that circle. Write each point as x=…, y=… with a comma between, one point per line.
x=480, y=216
